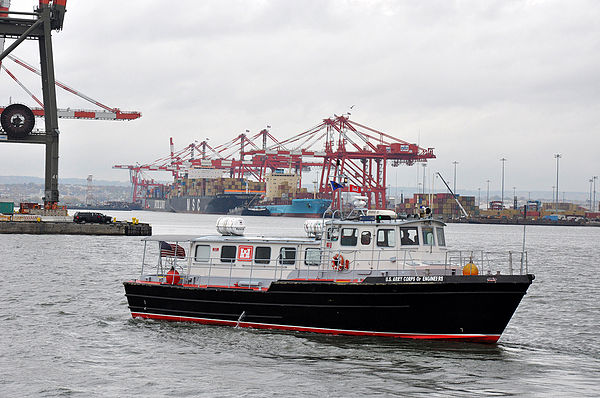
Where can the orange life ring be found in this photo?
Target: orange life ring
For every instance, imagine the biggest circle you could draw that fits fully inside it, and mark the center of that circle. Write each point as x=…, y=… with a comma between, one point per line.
x=339, y=264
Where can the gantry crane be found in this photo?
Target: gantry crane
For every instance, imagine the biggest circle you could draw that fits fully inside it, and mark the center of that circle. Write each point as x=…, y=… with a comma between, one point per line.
x=17, y=120
x=348, y=153
x=106, y=113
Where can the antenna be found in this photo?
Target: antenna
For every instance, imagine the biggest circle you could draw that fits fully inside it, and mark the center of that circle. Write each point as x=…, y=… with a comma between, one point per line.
x=454, y=195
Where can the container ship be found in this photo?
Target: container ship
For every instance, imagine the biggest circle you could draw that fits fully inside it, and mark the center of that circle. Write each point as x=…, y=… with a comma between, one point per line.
x=308, y=208
x=217, y=204
x=279, y=195
x=206, y=195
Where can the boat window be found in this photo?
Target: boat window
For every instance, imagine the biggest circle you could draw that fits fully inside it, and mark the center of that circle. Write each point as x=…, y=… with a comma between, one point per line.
x=262, y=255
x=365, y=238
x=202, y=253
x=409, y=237
x=287, y=256
x=386, y=237
x=427, y=236
x=440, y=236
x=349, y=237
x=228, y=254
x=312, y=256
x=332, y=234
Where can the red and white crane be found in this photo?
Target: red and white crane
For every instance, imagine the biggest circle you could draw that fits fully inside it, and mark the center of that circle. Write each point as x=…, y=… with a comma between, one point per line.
x=348, y=153
x=106, y=113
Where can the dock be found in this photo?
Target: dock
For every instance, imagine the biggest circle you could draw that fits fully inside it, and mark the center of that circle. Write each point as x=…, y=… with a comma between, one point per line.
x=119, y=228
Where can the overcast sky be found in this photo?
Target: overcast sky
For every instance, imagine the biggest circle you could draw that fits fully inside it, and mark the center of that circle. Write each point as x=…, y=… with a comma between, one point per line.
x=476, y=80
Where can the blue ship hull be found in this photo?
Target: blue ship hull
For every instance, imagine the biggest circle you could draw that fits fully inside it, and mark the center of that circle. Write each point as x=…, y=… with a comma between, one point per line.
x=310, y=208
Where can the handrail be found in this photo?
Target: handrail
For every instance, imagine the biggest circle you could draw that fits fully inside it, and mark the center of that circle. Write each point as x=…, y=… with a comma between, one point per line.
x=412, y=262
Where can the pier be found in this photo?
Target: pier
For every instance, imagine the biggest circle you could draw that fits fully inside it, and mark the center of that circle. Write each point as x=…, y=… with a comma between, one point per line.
x=121, y=228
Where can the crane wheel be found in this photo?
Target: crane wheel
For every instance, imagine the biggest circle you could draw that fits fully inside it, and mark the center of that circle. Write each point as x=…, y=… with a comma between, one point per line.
x=17, y=121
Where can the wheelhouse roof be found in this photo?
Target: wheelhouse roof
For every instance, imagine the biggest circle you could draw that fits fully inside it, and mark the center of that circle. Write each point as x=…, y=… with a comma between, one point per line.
x=227, y=238
x=291, y=240
x=407, y=222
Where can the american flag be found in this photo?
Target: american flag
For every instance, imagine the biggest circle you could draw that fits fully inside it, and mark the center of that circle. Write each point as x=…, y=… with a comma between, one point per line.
x=170, y=250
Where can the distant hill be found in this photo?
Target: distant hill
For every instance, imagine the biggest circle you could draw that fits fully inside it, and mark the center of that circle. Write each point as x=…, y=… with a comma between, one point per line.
x=70, y=181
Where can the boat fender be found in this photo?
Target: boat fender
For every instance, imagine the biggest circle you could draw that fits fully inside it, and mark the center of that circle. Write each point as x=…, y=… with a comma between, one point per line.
x=173, y=277
x=470, y=269
x=339, y=264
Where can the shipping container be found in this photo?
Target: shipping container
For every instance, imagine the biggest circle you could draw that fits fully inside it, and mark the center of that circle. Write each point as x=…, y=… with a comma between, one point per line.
x=7, y=207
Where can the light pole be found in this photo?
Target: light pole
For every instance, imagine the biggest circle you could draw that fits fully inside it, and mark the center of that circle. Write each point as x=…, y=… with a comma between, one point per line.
x=590, y=201
x=455, y=163
x=503, y=160
x=557, y=157
x=424, y=166
x=487, y=203
x=594, y=200
x=478, y=198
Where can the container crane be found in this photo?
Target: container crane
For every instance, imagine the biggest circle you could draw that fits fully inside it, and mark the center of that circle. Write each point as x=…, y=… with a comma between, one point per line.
x=174, y=163
x=353, y=154
x=106, y=113
x=347, y=152
x=17, y=120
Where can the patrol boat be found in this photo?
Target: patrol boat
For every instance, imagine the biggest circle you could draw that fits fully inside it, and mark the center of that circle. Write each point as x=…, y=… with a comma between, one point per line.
x=370, y=274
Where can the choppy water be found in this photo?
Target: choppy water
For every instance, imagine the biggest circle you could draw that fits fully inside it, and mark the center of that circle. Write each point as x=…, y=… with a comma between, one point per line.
x=66, y=329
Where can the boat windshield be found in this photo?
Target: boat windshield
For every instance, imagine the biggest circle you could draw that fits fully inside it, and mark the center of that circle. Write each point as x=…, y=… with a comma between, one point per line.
x=441, y=240
x=428, y=236
x=409, y=235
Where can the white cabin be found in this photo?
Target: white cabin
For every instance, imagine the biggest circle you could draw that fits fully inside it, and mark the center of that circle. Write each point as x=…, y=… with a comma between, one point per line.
x=338, y=250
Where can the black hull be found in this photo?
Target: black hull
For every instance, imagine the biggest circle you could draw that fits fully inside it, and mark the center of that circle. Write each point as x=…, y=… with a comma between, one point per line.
x=219, y=204
x=255, y=212
x=473, y=308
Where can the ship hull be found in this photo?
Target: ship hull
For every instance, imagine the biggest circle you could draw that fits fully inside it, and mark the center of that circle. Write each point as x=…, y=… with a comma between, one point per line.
x=473, y=308
x=299, y=215
x=256, y=212
x=306, y=208
x=219, y=204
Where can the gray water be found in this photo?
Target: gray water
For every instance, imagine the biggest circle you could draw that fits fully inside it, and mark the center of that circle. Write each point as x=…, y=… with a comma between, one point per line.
x=66, y=329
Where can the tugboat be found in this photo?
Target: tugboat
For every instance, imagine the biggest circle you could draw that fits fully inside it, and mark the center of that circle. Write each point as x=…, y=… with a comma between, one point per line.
x=256, y=211
x=369, y=274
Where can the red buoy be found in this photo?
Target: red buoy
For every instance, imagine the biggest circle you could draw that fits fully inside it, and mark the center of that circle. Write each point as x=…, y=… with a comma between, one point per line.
x=173, y=277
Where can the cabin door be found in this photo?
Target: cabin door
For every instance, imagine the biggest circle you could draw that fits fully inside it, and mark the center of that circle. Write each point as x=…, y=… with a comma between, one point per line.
x=366, y=251
x=386, y=245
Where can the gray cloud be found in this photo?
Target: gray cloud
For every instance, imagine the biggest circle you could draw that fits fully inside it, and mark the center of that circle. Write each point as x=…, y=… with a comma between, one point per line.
x=477, y=80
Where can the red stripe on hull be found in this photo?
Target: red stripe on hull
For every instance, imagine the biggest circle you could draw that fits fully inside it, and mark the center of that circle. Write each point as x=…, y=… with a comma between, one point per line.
x=479, y=338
